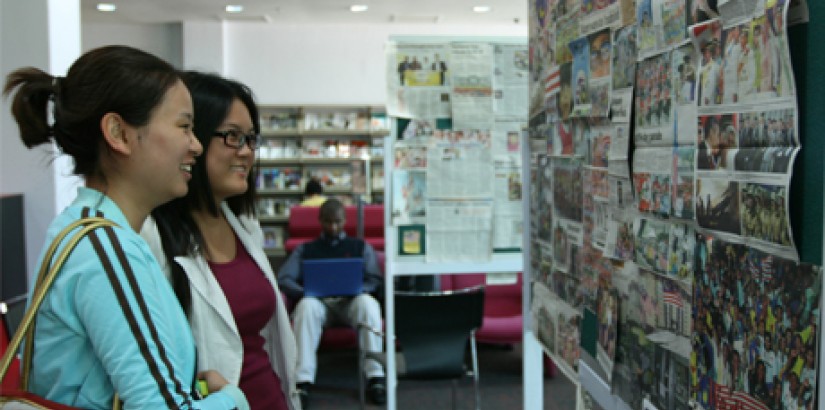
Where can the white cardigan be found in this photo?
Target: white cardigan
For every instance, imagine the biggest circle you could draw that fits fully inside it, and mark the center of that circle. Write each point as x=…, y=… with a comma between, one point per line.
x=213, y=326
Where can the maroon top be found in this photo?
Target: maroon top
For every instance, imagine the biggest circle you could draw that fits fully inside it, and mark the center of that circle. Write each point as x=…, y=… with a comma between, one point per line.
x=252, y=301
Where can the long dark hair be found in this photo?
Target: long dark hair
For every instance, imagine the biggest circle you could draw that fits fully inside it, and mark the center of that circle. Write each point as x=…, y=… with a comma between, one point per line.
x=118, y=79
x=212, y=97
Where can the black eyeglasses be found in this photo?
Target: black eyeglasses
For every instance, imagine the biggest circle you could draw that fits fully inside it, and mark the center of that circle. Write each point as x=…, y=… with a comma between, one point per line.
x=236, y=139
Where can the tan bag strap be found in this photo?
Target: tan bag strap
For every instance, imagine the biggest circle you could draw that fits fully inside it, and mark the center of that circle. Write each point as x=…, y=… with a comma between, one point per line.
x=49, y=269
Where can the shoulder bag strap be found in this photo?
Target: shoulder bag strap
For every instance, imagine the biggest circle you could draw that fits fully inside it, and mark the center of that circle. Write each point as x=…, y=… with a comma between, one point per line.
x=45, y=277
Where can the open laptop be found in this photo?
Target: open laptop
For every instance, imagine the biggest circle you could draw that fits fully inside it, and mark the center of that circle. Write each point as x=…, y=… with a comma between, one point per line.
x=333, y=277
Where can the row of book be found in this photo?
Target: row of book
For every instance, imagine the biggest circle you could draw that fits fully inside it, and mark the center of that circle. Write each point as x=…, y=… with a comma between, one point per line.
x=278, y=148
x=330, y=177
x=326, y=121
x=272, y=207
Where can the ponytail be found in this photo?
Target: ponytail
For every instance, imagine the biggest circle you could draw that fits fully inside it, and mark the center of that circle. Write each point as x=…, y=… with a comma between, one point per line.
x=30, y=103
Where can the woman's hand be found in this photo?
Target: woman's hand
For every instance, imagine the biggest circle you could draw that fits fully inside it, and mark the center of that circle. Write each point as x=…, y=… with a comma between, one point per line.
x=214, y=380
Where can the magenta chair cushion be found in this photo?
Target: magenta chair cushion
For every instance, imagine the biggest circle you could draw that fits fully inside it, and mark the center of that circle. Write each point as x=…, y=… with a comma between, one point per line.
x=303, y=225
x=339, y=337
x=500, y=330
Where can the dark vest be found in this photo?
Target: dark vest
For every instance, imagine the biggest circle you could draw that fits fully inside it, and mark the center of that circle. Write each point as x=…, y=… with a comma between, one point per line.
x=346, y=248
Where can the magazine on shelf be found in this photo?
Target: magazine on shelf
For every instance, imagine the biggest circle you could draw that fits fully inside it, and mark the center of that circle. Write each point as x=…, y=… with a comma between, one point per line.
x=281, y=121
x=344, y=150
x=279, y=178
x=377, y=178
x=358, y=148
x=291, y=178
x=332, y=177
x=379, y=121
x=271, y=149
x=272, y=207
x=333, y=121
x=273, y=237
x=330, y=148
x=313, y=148
x=269, y=178
x=377, y=148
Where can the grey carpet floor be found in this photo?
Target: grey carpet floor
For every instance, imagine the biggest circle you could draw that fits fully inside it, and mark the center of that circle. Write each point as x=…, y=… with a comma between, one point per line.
x=500, y=385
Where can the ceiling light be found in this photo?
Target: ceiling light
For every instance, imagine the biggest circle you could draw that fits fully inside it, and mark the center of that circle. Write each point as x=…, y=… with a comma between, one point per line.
x=358, y=8
x=234, y=8
x=106, y=7
x=481, y=9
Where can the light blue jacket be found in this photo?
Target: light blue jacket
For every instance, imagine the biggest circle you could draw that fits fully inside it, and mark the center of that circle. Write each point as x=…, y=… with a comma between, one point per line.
x=87, y=347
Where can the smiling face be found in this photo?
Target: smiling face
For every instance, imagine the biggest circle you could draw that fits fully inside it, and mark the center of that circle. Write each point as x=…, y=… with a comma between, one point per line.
x=165, y=149
x=228, y=168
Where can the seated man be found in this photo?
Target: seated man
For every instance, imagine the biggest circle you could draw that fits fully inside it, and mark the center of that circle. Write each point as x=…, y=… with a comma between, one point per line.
x=312, y=314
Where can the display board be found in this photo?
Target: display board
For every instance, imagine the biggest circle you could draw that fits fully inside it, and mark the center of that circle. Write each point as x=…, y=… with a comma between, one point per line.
x=665, y=157
x=453, y=180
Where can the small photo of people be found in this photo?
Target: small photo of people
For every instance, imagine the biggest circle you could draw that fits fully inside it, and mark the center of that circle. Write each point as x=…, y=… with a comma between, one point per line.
x=717, y=205
x=756, y=333
x=717, y=142
x=624, y=57
x=769, y=141
x=652, y=244
x=708, y=36
x=684, y=64
x=653, y=192
x=600, y=54
x=764, y=215
x=654, y=89
x=567, y=188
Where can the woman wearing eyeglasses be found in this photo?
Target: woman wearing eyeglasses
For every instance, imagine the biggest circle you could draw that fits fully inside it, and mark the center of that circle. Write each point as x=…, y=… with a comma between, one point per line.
x=210, y=245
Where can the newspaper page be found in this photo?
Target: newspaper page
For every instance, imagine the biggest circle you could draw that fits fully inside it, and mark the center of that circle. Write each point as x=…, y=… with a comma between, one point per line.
x=747, y=128
x=510, y=82
x=409, y=189
x=409, y=181
x=596, y=15
x=508, y=221
x=472, y=85
x=557, y=328
x=761, y=312
x=460, y=167
x=506, y=140
x=418, y=80
x=459, y=230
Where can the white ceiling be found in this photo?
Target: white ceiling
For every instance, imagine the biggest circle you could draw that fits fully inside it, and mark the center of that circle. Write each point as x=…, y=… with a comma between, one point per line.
x=310, y=11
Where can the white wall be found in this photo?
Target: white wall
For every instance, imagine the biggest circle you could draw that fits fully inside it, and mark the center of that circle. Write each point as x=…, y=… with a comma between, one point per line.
x=291, y=64
x=52, y=33
x=206, y=45
x=162, y=40
x=325, y=64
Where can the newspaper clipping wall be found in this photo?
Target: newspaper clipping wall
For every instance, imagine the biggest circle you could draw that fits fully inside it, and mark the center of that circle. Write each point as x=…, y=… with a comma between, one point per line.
x=662, y=139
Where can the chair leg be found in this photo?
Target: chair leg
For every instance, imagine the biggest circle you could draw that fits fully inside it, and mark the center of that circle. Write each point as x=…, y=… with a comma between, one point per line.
x=474, y=357
x=455, y=392
x=362, y=357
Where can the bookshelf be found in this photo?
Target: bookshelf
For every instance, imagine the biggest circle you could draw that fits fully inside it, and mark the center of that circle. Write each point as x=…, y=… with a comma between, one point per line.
x=340, y=145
